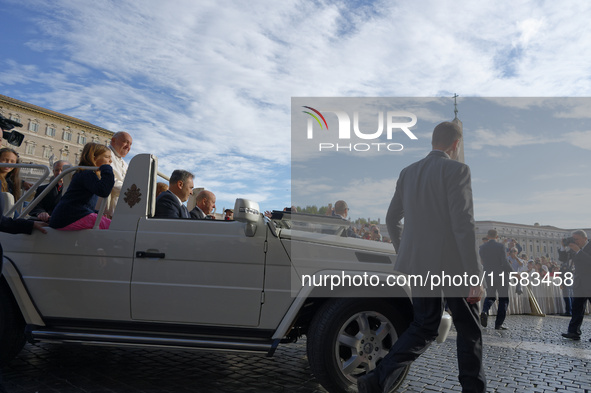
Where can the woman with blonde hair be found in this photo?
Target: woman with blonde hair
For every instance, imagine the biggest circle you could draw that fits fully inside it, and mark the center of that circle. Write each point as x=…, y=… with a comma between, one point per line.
x=75, y=210
x=10, y=177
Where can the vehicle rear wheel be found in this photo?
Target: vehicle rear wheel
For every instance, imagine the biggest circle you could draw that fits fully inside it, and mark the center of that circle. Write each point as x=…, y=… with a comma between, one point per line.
x=349, y=337
x=12, y=325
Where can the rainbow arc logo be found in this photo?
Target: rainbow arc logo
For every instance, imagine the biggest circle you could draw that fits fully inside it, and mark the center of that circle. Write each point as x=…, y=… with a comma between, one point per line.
x=315, y=117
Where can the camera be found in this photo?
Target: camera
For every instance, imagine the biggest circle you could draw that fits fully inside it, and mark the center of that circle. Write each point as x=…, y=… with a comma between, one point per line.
x=568, y=240
x=15, y=138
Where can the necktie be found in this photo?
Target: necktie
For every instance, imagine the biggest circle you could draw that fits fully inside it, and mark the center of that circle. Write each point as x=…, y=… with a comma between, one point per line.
x=185, y=211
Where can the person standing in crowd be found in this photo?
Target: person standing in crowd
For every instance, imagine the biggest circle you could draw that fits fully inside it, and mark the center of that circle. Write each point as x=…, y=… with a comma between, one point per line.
x=17, y=225
x=566, y=256
x=434, y=196
x=14, y=226
x=580, y=245
x=492, y=255
x=229, y=214
x=120, y=145
x=75, y=211
x=10, y=177
x=45, y=207
x=516, y=263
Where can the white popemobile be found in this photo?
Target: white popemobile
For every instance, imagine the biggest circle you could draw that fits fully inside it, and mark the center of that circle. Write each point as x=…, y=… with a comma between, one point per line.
x=207, y=285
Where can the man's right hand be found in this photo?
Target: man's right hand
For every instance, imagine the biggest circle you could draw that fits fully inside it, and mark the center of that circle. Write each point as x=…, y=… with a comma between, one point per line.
x=475, y=294
x=43, y=216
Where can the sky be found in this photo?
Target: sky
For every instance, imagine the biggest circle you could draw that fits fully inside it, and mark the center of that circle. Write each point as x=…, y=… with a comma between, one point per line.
x=207, y=86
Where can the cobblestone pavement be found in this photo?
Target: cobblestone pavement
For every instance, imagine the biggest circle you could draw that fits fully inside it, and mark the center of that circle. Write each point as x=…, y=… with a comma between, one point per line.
x=530, y=357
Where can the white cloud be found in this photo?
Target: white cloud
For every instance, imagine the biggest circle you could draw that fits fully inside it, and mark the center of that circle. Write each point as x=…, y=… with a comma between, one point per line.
x=559, y=207
x=207, y=85
x=508, y=138
x=580, y=139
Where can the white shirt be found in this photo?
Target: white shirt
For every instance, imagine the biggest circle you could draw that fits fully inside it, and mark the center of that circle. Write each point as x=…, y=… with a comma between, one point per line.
x=119, y=170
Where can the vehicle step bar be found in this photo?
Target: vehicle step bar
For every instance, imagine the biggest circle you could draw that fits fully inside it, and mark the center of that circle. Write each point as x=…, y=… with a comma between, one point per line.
x=60, y=336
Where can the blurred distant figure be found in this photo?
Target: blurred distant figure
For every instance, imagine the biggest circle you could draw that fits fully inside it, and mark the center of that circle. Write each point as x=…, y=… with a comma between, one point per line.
x=160, y=188
x=341, y=209
x=229, y=214
x=45, y=207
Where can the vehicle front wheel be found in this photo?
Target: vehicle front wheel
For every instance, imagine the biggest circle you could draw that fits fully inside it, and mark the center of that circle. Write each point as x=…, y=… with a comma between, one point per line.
x=349, y=337
x=12, y=325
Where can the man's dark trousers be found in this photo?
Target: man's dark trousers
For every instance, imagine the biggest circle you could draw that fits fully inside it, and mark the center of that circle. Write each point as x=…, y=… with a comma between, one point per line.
x=503, y=293
x=424, y=329
x=578, y=314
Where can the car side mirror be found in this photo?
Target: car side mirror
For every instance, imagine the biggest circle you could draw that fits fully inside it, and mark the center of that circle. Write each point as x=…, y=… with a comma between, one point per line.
x=249, y=212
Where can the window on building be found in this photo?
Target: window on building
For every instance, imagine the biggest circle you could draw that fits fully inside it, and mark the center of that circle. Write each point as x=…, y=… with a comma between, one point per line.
x=46, y=152
x=67, y=135
x=30, y=149
x=82, y=139
x=15, y=118
x=50, y=131
x=33, y=126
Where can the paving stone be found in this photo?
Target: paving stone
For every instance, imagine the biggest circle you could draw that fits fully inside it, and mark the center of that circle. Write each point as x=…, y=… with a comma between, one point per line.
x=529, y=357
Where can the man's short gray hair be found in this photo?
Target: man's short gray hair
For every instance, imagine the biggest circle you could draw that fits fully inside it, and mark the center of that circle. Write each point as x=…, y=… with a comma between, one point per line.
x=60, y=162
x=180, y=174
x=581, y=233
x=445, y=134
x=118, y=134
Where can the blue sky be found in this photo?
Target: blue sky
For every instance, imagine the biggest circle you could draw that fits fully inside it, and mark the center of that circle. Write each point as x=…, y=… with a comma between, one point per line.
x=207, y=85
x=528, y=156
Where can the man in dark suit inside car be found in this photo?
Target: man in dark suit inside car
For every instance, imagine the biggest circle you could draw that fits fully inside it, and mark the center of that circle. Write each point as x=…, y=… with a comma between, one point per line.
x=169, y=204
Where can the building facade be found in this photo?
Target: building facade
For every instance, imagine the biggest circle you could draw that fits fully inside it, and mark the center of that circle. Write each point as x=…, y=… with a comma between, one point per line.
x=49, y=136
x=536, y=240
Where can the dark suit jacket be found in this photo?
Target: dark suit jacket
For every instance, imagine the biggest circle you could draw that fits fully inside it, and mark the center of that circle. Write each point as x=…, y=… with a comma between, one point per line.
x=14, y=226
x=48, y=203
x=169, y=206
x=582, y=262
x=493, y=257
x=434, y=195
x=10, y=225
x=197, y=214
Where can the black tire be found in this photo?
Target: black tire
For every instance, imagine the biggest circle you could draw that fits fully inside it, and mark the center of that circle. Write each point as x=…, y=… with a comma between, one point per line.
x=341, y=334
x=12, y=325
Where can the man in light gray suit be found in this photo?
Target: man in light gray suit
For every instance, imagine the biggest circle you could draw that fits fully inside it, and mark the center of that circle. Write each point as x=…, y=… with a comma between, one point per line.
x=434, y=195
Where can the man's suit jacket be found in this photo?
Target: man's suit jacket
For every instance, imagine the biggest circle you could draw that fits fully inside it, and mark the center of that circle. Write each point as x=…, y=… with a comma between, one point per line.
x=493, y=257
x=434, y=195
x=49, y=202
x=197, y=214
x=582, y=280
x=169, y=206
x=14, y=226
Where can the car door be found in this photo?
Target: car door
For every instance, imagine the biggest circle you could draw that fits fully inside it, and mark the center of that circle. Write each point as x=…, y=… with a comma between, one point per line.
x=197, y=271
